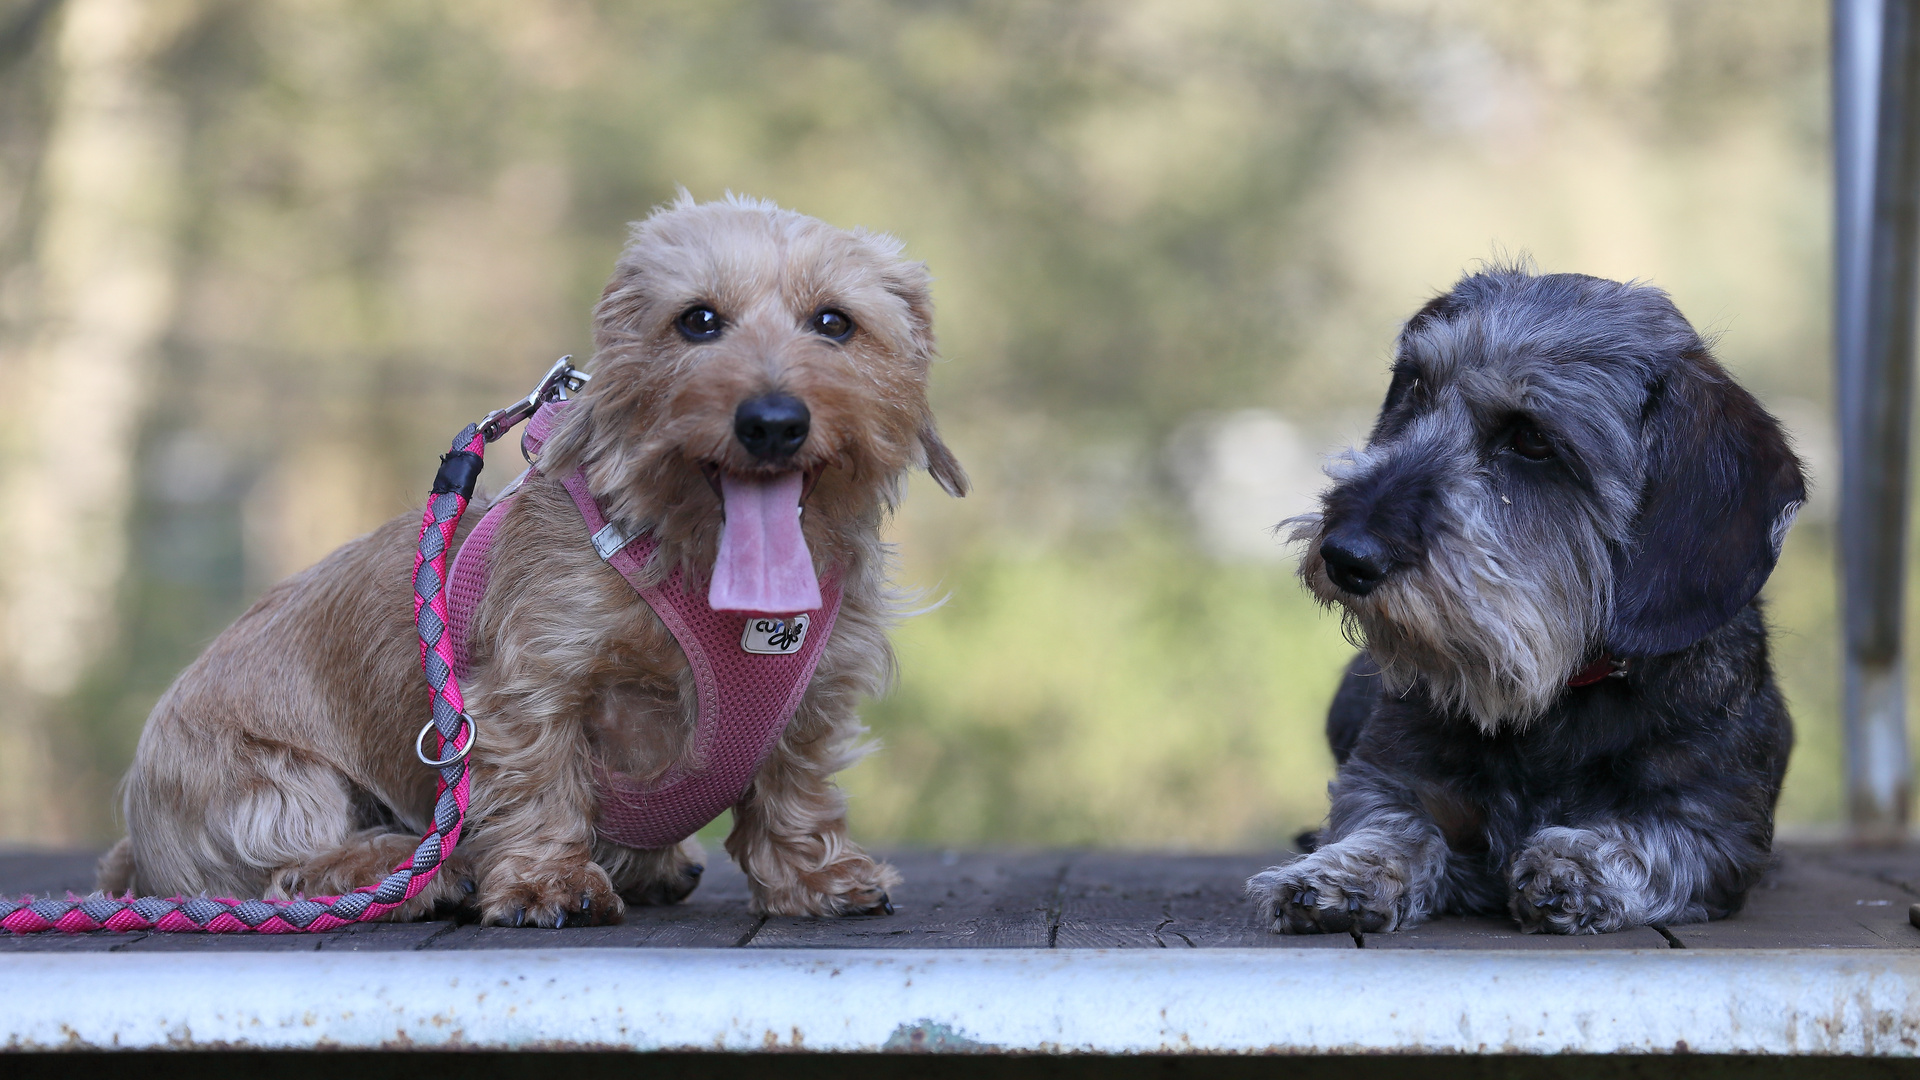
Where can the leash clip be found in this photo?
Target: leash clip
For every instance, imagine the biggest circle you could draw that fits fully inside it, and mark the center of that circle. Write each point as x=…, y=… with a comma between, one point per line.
x=560, y=380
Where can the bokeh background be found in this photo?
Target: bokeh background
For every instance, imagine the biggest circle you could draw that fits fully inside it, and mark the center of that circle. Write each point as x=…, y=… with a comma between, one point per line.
x=260, y=258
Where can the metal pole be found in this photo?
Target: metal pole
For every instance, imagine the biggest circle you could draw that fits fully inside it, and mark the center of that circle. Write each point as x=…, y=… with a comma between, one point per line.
x=1877, y=205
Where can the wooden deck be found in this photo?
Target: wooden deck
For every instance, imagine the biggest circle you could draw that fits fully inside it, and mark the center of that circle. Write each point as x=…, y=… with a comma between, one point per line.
x=1060, y=956
x=1817, y=897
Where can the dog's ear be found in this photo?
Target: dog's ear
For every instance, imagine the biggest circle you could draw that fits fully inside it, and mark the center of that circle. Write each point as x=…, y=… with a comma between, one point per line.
x=1722, y=487
x=910, y=282
x=941, y=464
x=620, y=305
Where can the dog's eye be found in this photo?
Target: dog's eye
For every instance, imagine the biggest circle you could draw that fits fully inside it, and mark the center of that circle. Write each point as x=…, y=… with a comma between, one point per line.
x=1528, y=442
x=699, y=323
x=832, y=324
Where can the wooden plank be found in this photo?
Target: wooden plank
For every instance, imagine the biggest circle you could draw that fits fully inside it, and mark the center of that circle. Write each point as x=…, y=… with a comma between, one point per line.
x=1488, y=932
x=1811, y=901
x=697, y=932
x=948, y=900
x=381, y=937
x=99, y=941
x=47, y=873
x=1899, y=867
x=645, y=927
x=367, y=937
x=1817, y=897
x=1110, y=901
x=1127, y=900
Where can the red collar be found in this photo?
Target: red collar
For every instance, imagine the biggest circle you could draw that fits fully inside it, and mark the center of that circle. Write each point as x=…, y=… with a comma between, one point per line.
x=1607, y=666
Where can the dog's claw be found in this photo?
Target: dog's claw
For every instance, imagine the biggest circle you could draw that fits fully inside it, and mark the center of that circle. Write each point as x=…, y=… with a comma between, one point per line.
x=586, y=901
x=886, y=904
x=467, y=886
x=518, y=918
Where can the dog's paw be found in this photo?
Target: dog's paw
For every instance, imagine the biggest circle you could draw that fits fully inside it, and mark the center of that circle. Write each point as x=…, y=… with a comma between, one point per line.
x=855, y=885
x=549, y=894
x=1336, y=890
x=1570, y=881
x=659, y=877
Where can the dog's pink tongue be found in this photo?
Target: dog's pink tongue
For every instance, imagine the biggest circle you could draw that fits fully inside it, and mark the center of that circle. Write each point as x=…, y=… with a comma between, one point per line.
x=764, y=565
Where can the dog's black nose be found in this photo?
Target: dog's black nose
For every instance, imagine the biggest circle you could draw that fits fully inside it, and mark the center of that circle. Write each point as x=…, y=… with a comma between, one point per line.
x=1356, y=560
x=772, y=426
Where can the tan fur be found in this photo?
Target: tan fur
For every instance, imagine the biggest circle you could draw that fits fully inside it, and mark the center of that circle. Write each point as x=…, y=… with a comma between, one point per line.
x=281, y=762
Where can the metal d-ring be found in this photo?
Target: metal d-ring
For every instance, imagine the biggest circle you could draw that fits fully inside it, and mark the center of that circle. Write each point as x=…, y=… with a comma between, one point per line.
x=420, y=745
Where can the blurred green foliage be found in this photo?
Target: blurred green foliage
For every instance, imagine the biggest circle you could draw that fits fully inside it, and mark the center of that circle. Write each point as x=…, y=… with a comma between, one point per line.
x=1126, y=692
x=1141, y=215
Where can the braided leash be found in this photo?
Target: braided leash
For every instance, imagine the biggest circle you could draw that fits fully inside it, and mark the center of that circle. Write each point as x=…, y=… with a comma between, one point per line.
x=452, y=490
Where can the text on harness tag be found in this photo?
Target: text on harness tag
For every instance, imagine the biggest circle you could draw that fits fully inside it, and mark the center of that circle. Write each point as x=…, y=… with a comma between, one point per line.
x=609, y=540
x=775, y=637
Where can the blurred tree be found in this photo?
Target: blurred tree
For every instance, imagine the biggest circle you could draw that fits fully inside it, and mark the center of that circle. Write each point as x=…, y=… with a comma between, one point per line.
x=103, y=283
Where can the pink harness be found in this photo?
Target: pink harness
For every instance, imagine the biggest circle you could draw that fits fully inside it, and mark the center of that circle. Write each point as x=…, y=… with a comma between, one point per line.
x=750, y=671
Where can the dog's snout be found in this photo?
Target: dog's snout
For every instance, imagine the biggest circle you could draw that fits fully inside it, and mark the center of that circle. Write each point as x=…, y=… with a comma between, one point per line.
x=772, y=426
x=1356, y=560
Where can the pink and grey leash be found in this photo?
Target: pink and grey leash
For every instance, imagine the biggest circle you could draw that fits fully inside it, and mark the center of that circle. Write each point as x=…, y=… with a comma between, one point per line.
x=453, y=730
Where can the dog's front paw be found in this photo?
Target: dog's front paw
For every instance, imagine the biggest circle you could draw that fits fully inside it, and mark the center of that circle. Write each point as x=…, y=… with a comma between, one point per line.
x=658, y=877
x=575, y=893
x=855, y=885
x=1569, y=881
x=1336, y=890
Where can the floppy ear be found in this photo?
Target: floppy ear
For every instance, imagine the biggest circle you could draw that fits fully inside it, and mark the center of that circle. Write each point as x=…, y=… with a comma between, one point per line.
x=620, y=305
x=1722, y=487
x=941, y=464
x=909, y=281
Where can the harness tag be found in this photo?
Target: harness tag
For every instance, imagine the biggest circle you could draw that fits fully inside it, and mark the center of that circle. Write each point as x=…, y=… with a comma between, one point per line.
x=609, y=540
x=775, y=637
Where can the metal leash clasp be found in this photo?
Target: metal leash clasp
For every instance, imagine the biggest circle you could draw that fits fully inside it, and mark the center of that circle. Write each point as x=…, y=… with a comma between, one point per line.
x=560, y=380
x=420, y=744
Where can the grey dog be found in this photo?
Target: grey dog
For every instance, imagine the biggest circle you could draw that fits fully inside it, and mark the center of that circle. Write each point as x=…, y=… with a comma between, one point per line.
x=1551, y=546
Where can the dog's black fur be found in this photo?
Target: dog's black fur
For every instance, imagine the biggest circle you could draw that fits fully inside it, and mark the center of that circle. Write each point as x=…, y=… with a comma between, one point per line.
x=1697, y=739
x=1645, y=797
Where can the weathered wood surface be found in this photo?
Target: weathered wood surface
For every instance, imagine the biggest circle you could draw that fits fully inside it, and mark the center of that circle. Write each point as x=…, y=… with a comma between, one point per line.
x=1815, y=898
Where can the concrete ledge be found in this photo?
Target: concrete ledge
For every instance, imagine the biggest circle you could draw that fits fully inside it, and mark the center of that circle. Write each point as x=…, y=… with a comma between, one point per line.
x=1231, y=1001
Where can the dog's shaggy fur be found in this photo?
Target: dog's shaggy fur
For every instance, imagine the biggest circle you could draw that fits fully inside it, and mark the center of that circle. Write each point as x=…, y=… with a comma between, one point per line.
x=281, y=762
x=1561, y=473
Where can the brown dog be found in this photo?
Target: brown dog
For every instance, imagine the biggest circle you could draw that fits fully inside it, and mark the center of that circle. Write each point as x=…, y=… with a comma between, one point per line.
x=280, y=763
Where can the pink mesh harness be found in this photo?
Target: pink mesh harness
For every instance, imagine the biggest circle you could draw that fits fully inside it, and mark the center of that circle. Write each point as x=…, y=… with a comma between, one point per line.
x=750, y=671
